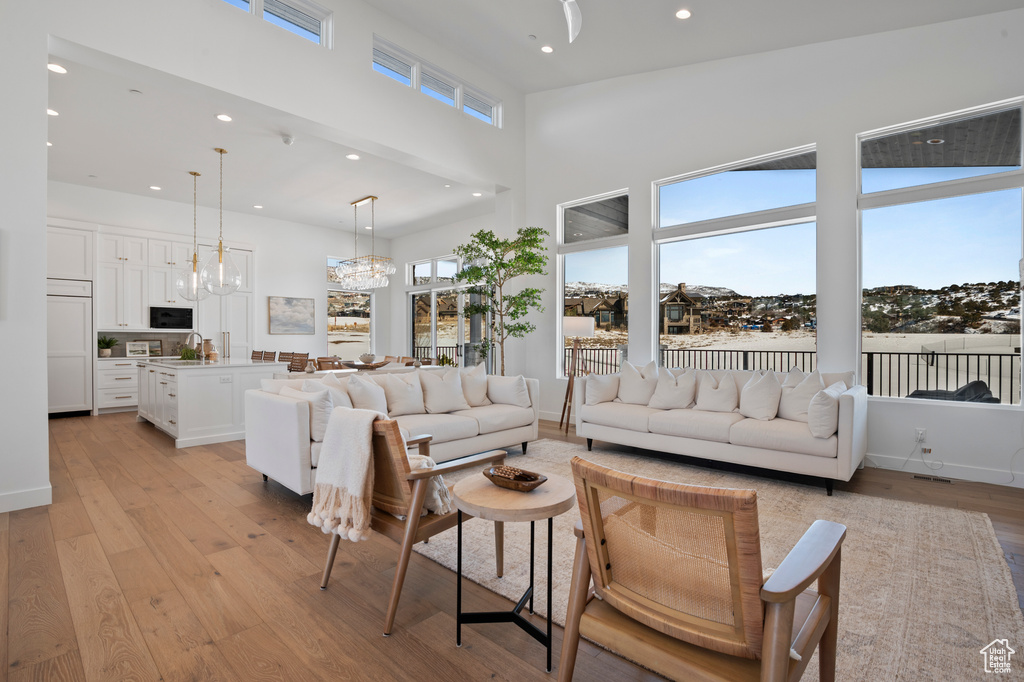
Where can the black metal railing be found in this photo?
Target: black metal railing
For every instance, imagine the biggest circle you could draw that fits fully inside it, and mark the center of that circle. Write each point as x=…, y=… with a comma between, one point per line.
x=453, y=353
x=891, y=374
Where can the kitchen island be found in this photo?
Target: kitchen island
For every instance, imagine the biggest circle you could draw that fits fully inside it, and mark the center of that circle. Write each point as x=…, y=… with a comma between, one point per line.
x=197, y=402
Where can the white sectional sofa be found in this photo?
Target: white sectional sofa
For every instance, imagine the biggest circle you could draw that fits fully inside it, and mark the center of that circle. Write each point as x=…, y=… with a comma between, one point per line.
x=812, y=424
x=465, y=411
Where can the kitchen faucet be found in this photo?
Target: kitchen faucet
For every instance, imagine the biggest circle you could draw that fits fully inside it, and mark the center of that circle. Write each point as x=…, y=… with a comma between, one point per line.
x=199, y=346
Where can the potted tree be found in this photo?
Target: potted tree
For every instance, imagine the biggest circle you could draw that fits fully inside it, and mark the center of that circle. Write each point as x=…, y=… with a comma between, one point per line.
x=105, y=343
x=489, y=266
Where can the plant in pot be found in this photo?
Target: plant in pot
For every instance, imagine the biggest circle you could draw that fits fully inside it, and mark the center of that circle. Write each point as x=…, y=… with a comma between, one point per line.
x=105, y=343
x=489, y=265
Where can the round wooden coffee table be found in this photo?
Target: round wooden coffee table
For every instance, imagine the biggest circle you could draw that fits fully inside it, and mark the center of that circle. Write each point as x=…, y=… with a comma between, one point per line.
x=478, y=497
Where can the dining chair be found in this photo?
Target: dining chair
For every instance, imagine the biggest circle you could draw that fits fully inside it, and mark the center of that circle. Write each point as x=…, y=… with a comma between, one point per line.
x=298, y=362
x=268, y=355
x=257, y=356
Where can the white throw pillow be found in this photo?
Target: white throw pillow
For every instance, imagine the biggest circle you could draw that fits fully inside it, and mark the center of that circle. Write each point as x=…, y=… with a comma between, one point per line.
x=636, y=386
x=602, y=388
x=404, y=393
x=320, y=407
x=797, y=392
x=367, y=395
x=333, y=379
x=759, y=398
x=717, y=396
x=275, y=385
x=508, y=390
x=442, y=391
x=674, y=391
x=474, y=385
x=830, y=378
x=339, y=395
x=823, y=412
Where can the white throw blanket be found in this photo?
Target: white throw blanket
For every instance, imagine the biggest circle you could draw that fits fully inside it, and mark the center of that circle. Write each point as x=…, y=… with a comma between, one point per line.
x=343, y=492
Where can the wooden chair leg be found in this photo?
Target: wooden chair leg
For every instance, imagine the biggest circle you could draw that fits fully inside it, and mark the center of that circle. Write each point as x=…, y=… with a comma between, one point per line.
x=778, y=632
x=499, y=547
x=331, y=552
x=579, y=589
x=412, y=522
x=828, y=584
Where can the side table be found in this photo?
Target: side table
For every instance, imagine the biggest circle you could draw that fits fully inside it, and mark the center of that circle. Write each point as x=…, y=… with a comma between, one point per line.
x=479, y=497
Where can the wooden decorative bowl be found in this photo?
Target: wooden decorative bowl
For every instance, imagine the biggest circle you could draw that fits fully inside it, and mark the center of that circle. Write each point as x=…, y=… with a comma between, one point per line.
x=364, y=365
x=524, y=482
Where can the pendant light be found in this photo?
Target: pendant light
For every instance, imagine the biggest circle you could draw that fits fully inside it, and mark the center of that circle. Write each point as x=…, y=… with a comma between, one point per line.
x=188, y=284
x=220, y=275
x=364, y=272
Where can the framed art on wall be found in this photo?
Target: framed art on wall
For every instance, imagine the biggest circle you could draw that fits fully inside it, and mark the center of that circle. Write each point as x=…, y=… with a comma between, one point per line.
x=136, y=348
x=292, y=315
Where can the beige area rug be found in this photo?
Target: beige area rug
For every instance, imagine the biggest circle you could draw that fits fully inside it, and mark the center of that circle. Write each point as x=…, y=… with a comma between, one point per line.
x=923, y=588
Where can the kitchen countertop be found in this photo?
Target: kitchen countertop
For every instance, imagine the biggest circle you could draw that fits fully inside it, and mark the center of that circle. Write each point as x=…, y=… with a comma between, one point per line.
x=175, y=363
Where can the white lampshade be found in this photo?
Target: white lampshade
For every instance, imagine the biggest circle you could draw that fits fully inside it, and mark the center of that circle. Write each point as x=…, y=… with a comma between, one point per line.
x=577, y=326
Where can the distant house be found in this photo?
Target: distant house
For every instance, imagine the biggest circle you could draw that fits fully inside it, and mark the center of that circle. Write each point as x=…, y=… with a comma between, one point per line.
x=609, y=312
x=679, y=313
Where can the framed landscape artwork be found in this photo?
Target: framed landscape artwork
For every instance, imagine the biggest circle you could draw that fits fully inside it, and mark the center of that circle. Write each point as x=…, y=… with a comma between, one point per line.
x=292, y=315
x=136, y=348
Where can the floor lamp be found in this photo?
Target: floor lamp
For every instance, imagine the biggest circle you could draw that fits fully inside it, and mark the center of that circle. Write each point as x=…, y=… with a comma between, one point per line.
x=576, y=327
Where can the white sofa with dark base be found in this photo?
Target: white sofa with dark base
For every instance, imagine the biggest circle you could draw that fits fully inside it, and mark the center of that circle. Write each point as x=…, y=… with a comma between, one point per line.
x=465, y=411
x=811, y=424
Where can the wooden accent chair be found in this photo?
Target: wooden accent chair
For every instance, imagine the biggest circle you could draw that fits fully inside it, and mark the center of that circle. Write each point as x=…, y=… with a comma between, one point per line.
x=285, y=357
x=328, y=363
x=407, y=361
x=257, y=356
x=268, y=355
x=678, y=570
x=298, y=362
x=399, y=491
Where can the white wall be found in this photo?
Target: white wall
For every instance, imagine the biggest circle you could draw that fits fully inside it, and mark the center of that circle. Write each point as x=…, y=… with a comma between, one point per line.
x=290, y=258
x=633, y=131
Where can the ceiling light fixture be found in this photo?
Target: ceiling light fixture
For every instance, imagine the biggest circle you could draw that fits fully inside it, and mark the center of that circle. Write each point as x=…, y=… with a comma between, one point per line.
x=352, y=157
x=256, y=206
x=154, y=187
x=220, y=275
x=223, y=117
x=447, y=186
x=188, y=284
x=360, y=273
x=936, y=140
x=49, y=144
x=478, y=194
x=547, y=49
x=684, y=14
x=56, y=68
x=51, y=112
x=573, y=18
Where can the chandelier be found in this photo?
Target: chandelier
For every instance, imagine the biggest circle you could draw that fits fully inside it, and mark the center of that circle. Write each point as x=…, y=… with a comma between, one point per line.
x=364, y=272
x=188, y=284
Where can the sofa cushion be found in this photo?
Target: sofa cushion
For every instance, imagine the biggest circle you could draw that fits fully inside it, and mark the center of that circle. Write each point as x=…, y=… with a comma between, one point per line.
x=442, y=391
x=508, y=390
x=717, y=395
x=797, y=391
x=602, y=388
x=367, y=395
x=443, y=427
x=829, y=378
x=339, y=395
x=783, y=435
x=619, y=415
x=314, y=453
x=275, y=385
x=636, y=385
x=823, y=412
x=759, y=398
x=491, y=418
x=320, y=406
x=474, y=385
x=694, y=424
x=673, y=391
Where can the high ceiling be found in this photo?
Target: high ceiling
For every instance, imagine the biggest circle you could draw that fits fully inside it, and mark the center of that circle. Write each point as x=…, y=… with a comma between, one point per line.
x=125, y=129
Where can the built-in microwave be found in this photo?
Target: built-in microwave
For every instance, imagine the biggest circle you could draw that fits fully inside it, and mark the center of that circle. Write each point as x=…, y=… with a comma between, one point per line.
x=170, y=318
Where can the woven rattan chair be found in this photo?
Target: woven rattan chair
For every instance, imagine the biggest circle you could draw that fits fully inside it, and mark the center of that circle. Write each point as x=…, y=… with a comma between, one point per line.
x=257, y=356
x=268, y=355
x=285, y=357
x=399, y=492
x=298, y=362
x=328, y=363
x=678, y=570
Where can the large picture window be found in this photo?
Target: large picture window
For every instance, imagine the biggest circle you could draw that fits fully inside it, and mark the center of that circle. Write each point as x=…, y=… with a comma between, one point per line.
x=439, y=329
x=348, y=323
x=941, y=227
x=736, y=265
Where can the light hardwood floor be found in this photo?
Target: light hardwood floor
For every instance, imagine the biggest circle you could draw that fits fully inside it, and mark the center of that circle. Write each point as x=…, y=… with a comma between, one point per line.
x=155, y=563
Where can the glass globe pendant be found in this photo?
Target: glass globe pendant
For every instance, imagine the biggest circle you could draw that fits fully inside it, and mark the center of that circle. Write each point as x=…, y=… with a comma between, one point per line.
x=220, y=275
x=188, y=284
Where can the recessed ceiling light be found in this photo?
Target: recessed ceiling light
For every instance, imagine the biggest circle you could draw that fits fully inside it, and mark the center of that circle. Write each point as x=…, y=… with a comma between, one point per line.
x=154, y=187
x=49, y=144
x=56, y=68
x=447, y=186
x=223, y=117
x=936, y=140
x=51, y=112
x=256, y=206
x=683, y=14
x=369, y=227
x=547, y=49
x=478, y=194
x=352, y=157
x=577, y=234
x=134, y=91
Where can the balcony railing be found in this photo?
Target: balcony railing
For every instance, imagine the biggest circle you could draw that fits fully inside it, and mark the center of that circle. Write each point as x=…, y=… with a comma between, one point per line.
x=453, y=353
x=883, y=373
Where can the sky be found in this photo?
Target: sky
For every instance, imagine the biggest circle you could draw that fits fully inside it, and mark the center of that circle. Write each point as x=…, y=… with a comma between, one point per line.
x=975, y=238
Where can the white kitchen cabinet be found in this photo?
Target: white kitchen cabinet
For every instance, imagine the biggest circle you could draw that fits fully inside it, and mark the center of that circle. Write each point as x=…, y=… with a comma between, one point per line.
x=122, y=296
x=69, y=345
x=117, y=384
x=171, y=254
x=117, y=248
x=228, y=322
x=69, y=253
x=163, y=289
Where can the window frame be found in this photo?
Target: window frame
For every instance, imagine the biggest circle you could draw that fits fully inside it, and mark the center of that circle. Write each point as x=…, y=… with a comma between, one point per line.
x=332, y=286
x=307, y=7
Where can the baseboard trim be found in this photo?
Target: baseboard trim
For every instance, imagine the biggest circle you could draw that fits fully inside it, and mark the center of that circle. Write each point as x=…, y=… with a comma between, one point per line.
x=953, y=471
x=25, y=499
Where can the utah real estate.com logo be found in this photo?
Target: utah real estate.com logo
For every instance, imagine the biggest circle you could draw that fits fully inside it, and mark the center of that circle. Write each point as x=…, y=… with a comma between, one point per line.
x=997, y=656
